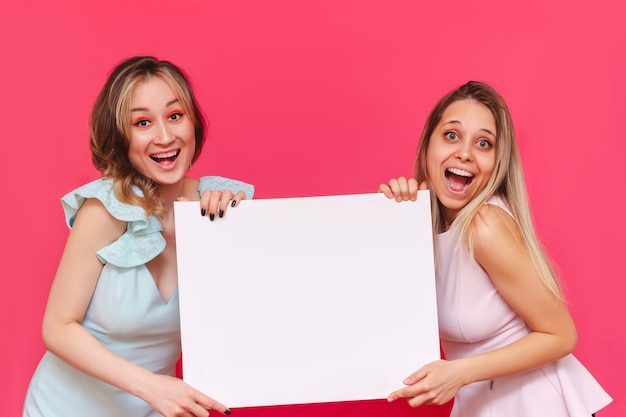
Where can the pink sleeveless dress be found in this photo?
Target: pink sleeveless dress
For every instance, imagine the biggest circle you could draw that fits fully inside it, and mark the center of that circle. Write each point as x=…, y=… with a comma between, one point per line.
x=474, y=318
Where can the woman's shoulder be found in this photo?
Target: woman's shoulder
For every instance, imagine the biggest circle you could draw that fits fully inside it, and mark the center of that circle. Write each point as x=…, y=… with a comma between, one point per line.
x=142, y=240
x=498, y=201
x=102, y=190
x=494, y=222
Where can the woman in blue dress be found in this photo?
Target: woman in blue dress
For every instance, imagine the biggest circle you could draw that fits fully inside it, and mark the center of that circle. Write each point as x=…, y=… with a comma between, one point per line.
x=111, y=325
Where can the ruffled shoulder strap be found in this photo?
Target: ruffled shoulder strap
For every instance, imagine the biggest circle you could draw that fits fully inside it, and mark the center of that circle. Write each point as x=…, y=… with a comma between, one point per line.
x=142, y=240
x=222, y=183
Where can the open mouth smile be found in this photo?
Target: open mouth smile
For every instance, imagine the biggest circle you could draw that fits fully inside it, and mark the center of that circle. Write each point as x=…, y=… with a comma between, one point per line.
x=165, y=156
x=458, y=179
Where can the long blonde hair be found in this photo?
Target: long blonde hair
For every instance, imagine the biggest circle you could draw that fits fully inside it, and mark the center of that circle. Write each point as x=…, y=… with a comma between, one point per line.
x=111, y=120
x=507, y=180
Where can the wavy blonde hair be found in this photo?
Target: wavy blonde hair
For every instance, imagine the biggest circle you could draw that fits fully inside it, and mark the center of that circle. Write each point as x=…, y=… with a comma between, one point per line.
x=111, y=122
x=507, y=180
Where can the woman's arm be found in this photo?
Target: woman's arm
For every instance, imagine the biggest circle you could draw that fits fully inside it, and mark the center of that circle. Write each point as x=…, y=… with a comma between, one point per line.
x=63, y=334
x=499, y=249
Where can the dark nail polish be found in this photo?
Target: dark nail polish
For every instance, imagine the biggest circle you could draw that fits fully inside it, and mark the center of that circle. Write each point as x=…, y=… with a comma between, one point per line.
x=233, y=203
x=227, y=412
x=221, y=213
x=203, y=212
x=212, y=216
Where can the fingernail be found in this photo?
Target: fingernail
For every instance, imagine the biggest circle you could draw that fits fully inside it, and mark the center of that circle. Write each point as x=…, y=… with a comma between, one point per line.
x=221, y=213
x=203, y=212
x=227, y=412
x=212, y=216
x=233, y=203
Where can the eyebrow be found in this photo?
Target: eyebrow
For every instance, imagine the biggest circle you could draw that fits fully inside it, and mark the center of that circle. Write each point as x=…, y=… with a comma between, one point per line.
x=169, y=103
x=459, y=123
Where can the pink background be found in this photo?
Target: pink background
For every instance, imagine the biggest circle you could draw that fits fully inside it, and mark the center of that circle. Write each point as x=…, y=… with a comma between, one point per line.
x=324, y=97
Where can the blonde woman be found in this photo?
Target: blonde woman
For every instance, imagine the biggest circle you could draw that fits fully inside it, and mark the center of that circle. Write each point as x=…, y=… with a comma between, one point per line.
x=505, y=330
x=111, y=325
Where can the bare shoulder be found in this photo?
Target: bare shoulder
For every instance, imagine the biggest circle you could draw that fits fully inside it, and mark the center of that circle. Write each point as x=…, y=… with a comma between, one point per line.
x=492, y=224
x=94, y=222
x=496, y=235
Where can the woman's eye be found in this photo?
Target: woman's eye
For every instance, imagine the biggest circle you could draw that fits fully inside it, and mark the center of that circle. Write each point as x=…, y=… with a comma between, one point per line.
x=451, y=135
x=176, y=116
x=142, y=123
x=484, y=143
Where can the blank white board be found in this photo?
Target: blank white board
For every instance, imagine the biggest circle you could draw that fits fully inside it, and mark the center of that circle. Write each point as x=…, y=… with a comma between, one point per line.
x=306, y=300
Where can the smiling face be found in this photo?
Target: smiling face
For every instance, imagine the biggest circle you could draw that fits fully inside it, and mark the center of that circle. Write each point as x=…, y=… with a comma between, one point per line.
x=162, y=140
x=461, y=155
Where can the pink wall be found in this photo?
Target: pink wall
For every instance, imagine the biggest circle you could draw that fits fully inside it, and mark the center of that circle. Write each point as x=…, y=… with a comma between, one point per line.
x=324, y=97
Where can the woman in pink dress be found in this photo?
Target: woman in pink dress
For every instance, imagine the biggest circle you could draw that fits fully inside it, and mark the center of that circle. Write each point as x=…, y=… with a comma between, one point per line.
x=505, y=330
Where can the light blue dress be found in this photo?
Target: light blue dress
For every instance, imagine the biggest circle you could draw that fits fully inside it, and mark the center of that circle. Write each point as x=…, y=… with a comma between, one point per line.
x=126, y=314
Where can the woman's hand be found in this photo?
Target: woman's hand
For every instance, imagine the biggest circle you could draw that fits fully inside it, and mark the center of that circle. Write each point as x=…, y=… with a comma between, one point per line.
x=402, y=189
x=434, y=383
x=216, y=202
x=172, y=397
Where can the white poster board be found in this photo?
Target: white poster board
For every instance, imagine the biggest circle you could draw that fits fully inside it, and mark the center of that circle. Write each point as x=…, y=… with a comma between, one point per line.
x=306, y=300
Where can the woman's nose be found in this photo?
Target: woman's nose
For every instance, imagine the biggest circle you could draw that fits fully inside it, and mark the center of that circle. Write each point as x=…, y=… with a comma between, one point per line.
x=164, y=134
x=464, y=153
